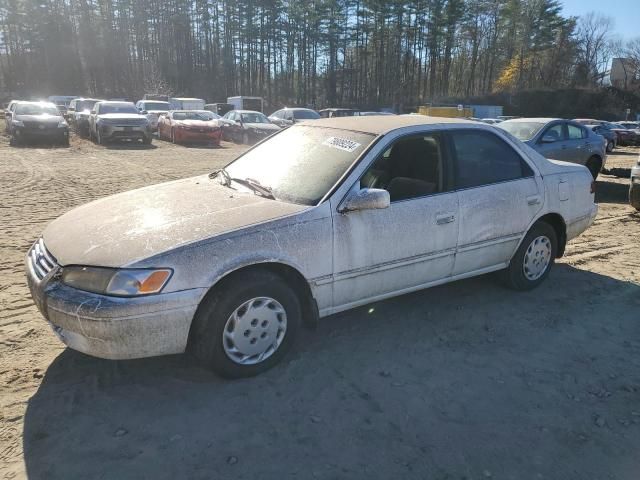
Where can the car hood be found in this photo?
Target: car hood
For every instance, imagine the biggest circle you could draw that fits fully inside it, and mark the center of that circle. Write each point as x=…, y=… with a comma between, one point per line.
x=40, y=118
x=262, y=126
x=121, y=116
x=197, y=123
x=121, y=229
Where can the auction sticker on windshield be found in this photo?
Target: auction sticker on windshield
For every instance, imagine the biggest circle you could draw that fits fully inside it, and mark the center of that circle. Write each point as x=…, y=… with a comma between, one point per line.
x=341, y=144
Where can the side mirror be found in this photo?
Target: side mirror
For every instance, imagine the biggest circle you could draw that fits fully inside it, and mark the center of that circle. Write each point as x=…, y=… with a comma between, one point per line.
x=366, y=199
x=549, y=139
x=144, y=112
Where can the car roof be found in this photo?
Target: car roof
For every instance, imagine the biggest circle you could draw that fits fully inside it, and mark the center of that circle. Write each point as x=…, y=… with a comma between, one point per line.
x=303, y=108
x=116, y=102
x=534, y=119
x=378, y=125
x=190, y=111
x=245, y=111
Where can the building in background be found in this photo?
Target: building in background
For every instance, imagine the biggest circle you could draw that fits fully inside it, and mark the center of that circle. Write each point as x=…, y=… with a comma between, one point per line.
x=625, y=74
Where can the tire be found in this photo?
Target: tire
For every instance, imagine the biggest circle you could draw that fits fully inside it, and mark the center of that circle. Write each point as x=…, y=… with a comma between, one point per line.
x=245, y=138
x=13, y=141
x=634, y=195
x=99, y=139
x=64, y=141
x=173, y=135
x=594, y=164
x=610, y=146
x=520, y=276
x=147, y=140
x=213, y=343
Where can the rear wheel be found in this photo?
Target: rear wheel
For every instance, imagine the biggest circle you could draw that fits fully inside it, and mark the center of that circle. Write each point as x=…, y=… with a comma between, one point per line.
x=99, y=139
x=594, y=164
x=246, y=325
x=534, y=258
x=173, y=135
x=634, y=195
x=610, y=146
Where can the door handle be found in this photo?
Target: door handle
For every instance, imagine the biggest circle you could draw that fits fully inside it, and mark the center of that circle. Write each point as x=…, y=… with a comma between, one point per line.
x=533, y=200
x=445, y=218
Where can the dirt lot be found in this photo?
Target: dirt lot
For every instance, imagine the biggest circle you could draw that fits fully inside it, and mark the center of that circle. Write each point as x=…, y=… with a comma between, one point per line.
x=465, y=381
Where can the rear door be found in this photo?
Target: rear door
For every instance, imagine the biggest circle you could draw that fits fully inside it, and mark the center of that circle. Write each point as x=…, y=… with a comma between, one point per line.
x=578, y=146
x=499, y=195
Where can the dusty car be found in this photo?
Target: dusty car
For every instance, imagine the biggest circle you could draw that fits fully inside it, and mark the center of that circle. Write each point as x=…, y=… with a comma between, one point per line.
x=561, y=140
x=318, y=219
x=182, y=126
x=288, y=116
x=37, y=121
x=153, y=109
x=114, y=120
x=79, y=112
x=246, y=126
x=634, y=189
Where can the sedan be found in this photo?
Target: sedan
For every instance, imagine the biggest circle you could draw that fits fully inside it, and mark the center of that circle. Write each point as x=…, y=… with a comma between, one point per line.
x=288, y=116
x=318, y=219
x=561, y=140
x=246, y=126
x=181, y=126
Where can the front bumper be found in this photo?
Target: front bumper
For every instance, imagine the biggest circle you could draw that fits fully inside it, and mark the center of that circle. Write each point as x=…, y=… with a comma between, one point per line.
x=46, y=133
x=114, y=327
x=132, y=132
x=210, y=136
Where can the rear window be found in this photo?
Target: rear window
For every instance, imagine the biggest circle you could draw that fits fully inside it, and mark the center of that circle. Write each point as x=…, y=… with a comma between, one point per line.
x=523, y=131
x=305, y=115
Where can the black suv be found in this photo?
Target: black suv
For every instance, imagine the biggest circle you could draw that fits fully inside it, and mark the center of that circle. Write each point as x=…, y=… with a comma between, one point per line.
x=38, y=121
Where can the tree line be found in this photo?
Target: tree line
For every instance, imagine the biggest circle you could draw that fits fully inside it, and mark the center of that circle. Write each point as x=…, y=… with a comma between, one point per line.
x=365, y=53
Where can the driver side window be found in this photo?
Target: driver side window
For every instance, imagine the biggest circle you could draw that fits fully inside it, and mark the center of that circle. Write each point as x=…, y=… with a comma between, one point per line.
x=411, y=168
x=557, y=132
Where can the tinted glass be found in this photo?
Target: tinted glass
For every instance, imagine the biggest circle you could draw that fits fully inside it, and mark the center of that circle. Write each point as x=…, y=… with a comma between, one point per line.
x=254, y=118
x=305, y=115
x=556, y=132
x=195, y=115
x=522, y=130
x=481, y=158
x=117, y=108
x=163, y=106
x=28, y=109
x=575, y=132
x=301, y=164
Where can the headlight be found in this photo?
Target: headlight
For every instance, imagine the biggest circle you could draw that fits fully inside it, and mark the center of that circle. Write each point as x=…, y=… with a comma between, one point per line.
x=18, y=123
x=117, y=282
x=62, y=125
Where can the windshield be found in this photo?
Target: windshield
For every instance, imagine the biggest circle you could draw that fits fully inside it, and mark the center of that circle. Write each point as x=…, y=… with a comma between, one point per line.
x=305, y=115
x=37, y=110
x=164, y=106
x=254, y=118
x=302, y=163
x=85, y=105
x=204, y=116
x=118, y=108
x=523, y=131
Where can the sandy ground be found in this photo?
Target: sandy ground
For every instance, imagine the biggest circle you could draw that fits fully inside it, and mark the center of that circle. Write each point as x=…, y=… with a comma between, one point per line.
x=464, y=381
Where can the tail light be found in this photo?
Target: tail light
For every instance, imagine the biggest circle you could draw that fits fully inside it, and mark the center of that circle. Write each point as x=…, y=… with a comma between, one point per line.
x=593, y=187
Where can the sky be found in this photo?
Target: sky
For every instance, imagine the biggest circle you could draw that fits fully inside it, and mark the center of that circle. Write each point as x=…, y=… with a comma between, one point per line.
x=626, y=13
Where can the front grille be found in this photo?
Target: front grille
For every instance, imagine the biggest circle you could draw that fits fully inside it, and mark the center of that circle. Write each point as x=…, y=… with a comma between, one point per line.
x=42, y=262
x=127, y=122
x=39, y=126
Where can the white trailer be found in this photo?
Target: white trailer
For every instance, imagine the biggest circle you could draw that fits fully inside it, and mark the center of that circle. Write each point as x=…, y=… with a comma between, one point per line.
x=247, y=103
x=187, y=103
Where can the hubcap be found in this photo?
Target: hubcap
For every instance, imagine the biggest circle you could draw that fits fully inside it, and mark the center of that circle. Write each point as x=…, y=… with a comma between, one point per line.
x=537, y=258
x=254, y=331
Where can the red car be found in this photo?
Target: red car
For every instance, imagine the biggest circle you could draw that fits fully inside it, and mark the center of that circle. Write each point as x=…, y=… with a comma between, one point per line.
x=184, y=126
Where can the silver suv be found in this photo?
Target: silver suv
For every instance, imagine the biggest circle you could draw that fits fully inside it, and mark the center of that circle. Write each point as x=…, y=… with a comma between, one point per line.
x=118, y=121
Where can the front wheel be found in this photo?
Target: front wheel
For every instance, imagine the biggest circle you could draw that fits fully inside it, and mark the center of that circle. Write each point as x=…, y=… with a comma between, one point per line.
x=146, y=140
x=245, y=138
x=594, y=164
x=610, y=146
x=534, y=258
x=246, y=325
x=634, y=195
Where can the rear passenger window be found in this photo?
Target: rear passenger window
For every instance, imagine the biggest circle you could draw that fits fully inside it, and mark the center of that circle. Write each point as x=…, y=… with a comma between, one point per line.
x=481, y=158
x=576, y=133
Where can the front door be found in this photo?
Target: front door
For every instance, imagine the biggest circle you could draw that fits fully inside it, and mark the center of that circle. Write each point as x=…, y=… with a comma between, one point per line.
x=499, y=197
x=556, y=149
x=407, y=246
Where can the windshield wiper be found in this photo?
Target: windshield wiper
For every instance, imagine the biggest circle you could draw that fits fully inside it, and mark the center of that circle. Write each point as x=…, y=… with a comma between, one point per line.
x=225, y=176
x=249, y=183
x=256, y=187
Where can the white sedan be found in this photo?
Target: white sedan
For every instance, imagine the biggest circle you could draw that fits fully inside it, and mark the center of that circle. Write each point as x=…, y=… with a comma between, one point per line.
x=319, y=218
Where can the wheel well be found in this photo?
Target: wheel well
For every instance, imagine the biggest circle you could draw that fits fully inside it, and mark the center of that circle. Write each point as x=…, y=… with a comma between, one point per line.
x=297, y=281
x=556, y=221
